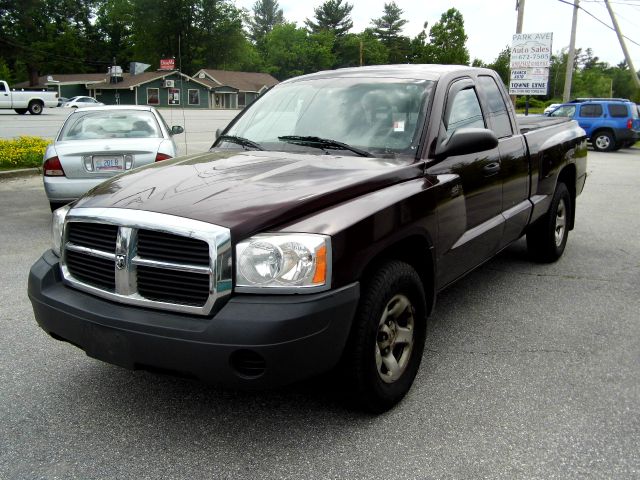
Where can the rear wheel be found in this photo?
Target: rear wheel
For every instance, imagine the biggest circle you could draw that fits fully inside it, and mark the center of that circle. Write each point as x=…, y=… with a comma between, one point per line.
x=387, y=339
x=35, y=107
x=603, y=141
x=547, y=238
x=20, y=111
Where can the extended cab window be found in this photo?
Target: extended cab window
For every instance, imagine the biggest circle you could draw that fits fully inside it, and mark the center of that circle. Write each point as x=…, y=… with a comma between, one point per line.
x=498, y=113
x=2, y=87
x=591, y=110
x=465, y=111
x=619, y=111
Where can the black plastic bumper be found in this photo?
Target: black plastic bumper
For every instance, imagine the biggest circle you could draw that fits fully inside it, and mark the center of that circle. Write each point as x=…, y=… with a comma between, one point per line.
x=253, y=341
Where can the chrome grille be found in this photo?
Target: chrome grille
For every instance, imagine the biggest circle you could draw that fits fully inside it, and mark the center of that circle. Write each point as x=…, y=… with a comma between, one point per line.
x=156, y=260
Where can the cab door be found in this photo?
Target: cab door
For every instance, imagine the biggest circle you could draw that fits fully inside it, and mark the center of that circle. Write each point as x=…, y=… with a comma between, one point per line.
x=5, y=96
x=476, y=193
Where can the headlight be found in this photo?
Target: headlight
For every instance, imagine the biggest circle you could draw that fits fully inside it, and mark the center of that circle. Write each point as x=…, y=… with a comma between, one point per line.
x=288, y=262
x=57, y=229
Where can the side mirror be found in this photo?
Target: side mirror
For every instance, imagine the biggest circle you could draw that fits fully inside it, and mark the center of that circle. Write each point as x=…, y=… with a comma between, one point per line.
x=218, y=133
x=467, y=140
x=176, y=129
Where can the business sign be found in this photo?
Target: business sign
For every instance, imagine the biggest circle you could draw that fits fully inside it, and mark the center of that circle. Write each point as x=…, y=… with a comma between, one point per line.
x=530, y=62
x=167, y=63
x=529, y=81
x=531, y=50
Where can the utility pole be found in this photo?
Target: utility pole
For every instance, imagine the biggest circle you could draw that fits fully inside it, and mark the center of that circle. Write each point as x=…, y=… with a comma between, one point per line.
x=636, y=80
x=572, y=54
x=520, y=21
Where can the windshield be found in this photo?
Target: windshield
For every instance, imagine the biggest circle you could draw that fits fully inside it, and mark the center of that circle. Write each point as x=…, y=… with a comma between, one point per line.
x=379, y=116
x=110, y=124
x=564, y=111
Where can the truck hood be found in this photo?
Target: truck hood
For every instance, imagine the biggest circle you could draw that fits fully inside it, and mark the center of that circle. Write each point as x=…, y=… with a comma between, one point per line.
x=248, y=191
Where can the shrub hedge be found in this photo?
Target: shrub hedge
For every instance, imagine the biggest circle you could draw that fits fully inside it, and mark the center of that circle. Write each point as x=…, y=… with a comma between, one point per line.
x=22, y=152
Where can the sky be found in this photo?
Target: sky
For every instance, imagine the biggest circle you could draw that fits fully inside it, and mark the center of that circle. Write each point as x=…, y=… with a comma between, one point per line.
x=490, y=24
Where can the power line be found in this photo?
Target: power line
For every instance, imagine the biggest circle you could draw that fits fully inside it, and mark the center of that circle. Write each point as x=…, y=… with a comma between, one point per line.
x=596, y=18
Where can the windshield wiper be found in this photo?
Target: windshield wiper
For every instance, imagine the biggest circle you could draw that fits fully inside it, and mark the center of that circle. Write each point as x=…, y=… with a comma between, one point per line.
x=245, y=142
x=324, y=143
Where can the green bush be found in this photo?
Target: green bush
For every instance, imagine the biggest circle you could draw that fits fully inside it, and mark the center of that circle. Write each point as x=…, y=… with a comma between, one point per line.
x=22, y=152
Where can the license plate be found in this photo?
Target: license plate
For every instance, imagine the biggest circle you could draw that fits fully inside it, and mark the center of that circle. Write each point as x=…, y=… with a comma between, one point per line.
x=102, y=163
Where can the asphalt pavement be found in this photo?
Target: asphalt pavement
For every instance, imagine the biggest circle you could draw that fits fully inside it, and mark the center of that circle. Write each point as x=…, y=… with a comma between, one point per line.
x=530, y=371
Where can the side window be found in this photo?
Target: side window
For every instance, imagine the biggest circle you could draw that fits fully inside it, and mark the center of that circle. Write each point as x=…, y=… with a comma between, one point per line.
x=591, y=110
x=464, y=112
x=618, y=111
x=497, y=108
x=2, y=89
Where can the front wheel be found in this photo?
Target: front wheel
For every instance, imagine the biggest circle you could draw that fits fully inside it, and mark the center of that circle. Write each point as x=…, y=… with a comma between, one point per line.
x=387, y=339
x=603, y=142
x=35, y=108
x=547, y=238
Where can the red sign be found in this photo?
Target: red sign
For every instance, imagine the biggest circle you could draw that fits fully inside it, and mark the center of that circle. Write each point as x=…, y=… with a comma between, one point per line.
x=167, y=63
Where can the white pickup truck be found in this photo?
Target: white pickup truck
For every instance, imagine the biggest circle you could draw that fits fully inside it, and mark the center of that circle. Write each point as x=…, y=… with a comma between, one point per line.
x=23, y=101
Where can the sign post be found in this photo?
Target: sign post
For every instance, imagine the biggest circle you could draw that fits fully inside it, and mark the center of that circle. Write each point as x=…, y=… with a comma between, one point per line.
x=530, y=62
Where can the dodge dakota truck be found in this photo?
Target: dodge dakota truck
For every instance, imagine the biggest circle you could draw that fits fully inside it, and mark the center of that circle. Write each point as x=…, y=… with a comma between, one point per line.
x=26, y=100
x=315, y=234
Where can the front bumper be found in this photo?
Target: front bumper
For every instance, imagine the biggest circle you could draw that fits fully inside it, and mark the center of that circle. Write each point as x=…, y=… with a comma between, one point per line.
x=253, y=341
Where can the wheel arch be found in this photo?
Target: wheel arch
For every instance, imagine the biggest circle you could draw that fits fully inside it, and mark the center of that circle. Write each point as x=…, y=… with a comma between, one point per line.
x=416, y=250
x=598, y=130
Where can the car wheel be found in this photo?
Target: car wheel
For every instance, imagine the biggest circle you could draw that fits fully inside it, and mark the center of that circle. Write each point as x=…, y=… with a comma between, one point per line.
x=387, y=338
x=547, y=237
x=35, y=108
x=603, y=142
x=21, y=111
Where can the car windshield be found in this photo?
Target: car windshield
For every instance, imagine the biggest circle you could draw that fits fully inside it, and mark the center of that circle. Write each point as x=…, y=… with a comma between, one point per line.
x=110, y=124
x=365, y=116
x=564, y=111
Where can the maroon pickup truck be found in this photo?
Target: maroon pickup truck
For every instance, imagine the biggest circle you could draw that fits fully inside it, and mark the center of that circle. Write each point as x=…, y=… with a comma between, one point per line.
x=316, y=232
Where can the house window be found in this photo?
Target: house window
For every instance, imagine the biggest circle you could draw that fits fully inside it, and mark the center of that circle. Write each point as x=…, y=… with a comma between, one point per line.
x=98, y=92
x=173, y=96
x=242, y=99
x=153, y=96
x=194, y=97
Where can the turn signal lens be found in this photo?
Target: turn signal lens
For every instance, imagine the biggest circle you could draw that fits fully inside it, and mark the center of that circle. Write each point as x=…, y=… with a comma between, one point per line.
x=53, y=168
x=162, y=156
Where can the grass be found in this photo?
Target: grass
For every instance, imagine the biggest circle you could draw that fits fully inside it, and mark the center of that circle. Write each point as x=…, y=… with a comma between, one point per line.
x=532, y=111
x=22, y=152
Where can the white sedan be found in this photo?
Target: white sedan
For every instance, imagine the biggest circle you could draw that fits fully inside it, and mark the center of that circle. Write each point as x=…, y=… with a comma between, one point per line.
x=81, y=102
x=97, y=143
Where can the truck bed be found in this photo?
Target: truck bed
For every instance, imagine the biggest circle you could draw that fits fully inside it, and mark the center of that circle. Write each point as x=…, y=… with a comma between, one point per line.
x=528, y=123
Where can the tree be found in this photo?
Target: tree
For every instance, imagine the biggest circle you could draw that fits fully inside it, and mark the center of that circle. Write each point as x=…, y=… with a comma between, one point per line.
x=292, y=51
x=388, y=30
x=447, y=39
x=266, y=15
x=502, y=64
x=333, y=16
x=373, y=51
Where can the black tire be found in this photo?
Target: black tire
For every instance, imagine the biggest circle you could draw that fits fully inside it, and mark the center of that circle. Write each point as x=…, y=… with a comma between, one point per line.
x=35, y=107
x=547, y=238
x=395, y=293
x=603, y=141
x=20, y=111
x=56, y=205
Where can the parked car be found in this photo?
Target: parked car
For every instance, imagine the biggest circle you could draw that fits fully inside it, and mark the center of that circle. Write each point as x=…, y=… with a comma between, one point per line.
x=315, y=234
x=97, y=143
x=551, y=108
x=610, y=124
x=23, y=101
x=62, y=100
x=81, y=102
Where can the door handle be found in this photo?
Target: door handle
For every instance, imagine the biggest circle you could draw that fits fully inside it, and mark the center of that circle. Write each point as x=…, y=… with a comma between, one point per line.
x=491, y=169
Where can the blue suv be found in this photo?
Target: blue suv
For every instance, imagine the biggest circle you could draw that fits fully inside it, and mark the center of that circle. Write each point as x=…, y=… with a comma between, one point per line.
x=610, y=123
